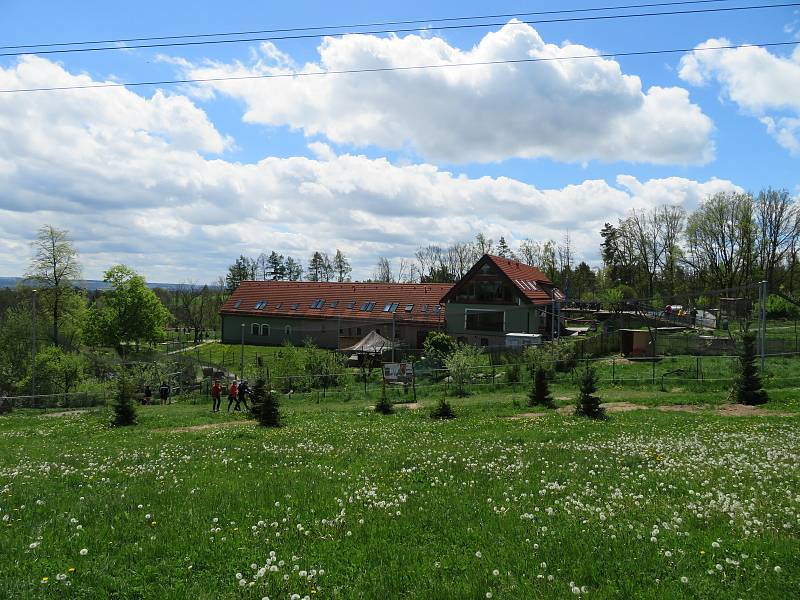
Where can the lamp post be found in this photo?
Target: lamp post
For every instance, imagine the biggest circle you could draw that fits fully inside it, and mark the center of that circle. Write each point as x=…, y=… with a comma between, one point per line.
x=33, y=348
x=241, y=356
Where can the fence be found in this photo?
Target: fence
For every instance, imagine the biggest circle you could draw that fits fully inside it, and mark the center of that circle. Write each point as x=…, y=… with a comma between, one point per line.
x=71, y=400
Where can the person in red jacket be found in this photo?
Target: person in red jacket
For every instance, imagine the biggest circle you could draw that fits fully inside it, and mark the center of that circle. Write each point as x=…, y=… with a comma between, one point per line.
x=216, y=395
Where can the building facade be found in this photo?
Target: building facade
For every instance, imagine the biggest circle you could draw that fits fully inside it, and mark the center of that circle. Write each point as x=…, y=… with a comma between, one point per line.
x=496, y=297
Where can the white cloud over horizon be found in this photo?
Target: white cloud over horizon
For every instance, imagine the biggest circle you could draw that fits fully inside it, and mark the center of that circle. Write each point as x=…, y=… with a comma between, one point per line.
x=132, y=180
x=568, y=110
x=760, y=83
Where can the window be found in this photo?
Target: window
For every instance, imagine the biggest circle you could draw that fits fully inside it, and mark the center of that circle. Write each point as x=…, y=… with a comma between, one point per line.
x=255, y=329
x=278, y=305
x=334, y=304
x=264, y=330
x=295, y=306
x=485, y=291
x=350, y=305
x=237, y=304
x=437, y=309
x=317, y=303
x=424, y=308
x=287, y=331
x=391, y=307
x=261, y=304
x=484, y=320
x=409, y=307
x=367, y=306
x=358, y=330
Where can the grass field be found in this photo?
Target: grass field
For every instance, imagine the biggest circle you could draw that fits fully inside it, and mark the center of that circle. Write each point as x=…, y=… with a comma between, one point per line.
x=344, y=503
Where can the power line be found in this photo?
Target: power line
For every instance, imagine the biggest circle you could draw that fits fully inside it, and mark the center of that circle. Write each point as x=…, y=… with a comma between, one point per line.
x=405, y=30
x=374, y=24
x=298, y=74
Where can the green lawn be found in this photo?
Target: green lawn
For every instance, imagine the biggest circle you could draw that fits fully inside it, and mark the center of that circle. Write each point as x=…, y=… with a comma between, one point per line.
x=355, y=505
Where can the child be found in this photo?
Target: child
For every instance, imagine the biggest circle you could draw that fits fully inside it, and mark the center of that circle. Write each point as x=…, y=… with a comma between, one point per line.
x=148, y=395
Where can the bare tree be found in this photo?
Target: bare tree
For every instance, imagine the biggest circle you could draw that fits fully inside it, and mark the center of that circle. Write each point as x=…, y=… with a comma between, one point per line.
x=54, y=265
x=775, y=215
x=672, y=220
x=383, y=271
x=196, y=307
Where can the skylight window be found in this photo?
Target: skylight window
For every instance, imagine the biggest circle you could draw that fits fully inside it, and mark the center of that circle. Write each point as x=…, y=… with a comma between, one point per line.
x=409, y=307
x=367, y=306
x=317, y=303
x=437, y=309
x=261, y=304
x=334, y=304
x=424, y=308
x=391, y=307
x=278, y=305
x=351, y=305
x=237, y=304
x=295, y=306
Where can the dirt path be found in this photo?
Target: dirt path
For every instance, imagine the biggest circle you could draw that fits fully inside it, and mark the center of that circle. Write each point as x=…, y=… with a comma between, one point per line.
x=206, y=426
x=727, y=410
x=67, y=413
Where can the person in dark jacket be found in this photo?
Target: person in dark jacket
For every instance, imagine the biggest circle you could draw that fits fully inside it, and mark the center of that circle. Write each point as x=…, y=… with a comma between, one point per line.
x=148, y=395
x=163, y=393
x=242, y=397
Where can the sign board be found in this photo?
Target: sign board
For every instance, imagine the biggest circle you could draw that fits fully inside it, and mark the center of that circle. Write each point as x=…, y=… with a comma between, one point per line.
x=398, y=371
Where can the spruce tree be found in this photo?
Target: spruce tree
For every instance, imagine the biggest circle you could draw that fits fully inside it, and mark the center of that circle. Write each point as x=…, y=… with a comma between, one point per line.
x=747, y=387
x=540, y=390
x=383, y=406
x=588, y=405
x=124, y=409
x=265, y=405
x=443, y=410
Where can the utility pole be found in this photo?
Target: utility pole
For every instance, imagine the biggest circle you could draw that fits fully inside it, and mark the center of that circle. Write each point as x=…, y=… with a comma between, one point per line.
x=33, y=349
x=393, y=336
x=241, y=355
x=762, y=320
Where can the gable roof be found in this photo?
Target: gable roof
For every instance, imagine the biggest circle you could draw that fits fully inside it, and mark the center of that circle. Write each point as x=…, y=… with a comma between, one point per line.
x=301, y=299
x=531, y=284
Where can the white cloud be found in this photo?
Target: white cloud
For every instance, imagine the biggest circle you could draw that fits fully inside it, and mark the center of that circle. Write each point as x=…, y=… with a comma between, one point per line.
x=569, y=110
x=759, y=82
x=132, y=186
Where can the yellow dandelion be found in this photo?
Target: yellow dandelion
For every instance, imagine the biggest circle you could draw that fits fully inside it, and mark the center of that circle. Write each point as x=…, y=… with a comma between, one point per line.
x=45, y=579
x=71, y=570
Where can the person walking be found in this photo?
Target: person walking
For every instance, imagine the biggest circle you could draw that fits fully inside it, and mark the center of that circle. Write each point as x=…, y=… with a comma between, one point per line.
x=148, y=395
x=163, y=393
x=216, y=396
x=232, y=394
x=243, y=390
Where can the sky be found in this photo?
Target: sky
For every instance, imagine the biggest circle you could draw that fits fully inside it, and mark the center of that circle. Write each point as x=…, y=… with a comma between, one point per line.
x=176, y=181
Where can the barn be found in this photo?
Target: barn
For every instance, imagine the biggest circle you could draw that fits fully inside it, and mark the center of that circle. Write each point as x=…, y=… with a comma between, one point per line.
x=496, y=297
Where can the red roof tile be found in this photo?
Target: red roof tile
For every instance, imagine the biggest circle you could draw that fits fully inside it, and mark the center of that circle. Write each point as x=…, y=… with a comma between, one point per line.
x=530, y=281
x=282, y=297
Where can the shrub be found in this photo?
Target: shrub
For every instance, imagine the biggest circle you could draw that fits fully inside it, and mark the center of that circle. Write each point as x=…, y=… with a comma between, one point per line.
x=439, y=345
x=124, y=409
x=443, y=410
x=513, y=372
x=781, y=308
x=460, y=364
x=265, y=405
x=747, y=388
x=588, y=405
x=540, y=390
x=383, y=405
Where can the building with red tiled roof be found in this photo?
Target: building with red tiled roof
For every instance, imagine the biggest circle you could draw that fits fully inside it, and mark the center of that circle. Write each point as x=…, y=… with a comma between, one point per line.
x=333, y=314
x=496, y=297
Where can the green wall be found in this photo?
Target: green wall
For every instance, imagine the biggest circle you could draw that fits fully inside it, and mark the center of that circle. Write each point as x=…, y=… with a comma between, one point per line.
x=519, y=318
x=300, y=330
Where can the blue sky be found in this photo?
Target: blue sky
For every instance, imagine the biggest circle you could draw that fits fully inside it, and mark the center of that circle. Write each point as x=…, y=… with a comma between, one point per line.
x=746, y=152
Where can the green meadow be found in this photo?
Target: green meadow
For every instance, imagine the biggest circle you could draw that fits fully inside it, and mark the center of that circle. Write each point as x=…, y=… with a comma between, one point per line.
x=344, y=503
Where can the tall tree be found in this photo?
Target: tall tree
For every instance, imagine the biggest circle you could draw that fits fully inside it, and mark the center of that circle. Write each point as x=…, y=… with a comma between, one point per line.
x=128, y=313
x=242, y=270
x=483, y=245
x=776, y=223
x=327, y=267
x=341, y=266
x=383, y=270
x=316, y=267
x=195, y=307
x=294, y=270
x=276, y=267
x=503, y=249
x=54, y=265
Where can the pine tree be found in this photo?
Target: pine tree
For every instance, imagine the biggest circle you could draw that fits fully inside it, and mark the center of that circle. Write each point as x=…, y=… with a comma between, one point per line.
x=265, y=405
x=588, y=404
x=316, y=267
x=540, y=390
x=124, y=409
x=276, y=269
x=383, y=405
x=341, y=266
x=747, y=387
x=443, y=410
x=503, y=249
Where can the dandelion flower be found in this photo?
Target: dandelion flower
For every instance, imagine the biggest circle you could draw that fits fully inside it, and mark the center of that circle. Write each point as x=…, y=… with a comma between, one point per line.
x=684, y=579
x=777, y=569
x=495, y=572
x=478, y=554
x=488, y=594
x=83, y=552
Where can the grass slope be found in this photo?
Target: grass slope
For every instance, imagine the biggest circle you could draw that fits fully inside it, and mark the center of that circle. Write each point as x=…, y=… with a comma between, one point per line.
x=369, y=506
